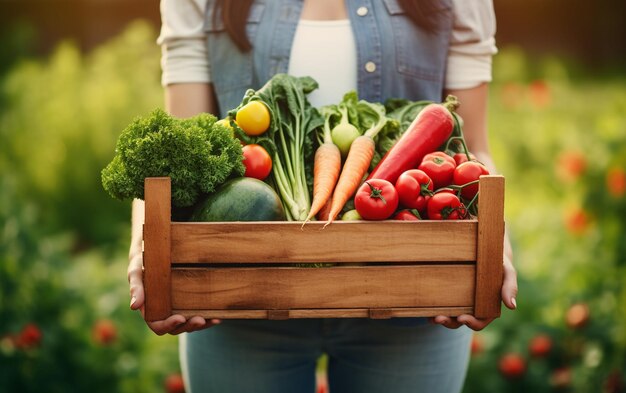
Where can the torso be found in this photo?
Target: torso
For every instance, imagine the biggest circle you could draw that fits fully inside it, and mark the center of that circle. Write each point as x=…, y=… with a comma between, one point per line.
x=323, y=10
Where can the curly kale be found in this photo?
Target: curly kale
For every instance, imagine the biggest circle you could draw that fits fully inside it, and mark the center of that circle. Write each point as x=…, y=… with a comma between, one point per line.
x=195, y=153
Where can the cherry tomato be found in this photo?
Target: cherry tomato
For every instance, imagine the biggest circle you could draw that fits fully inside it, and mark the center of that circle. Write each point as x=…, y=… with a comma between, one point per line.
x=226, y=123
x=460, y=158
x=405, y=215
x=468, y=172
x=257, y=161
x=376, y=199
x=414, y=189
x=253, y=118
x=445, y=206
x=439, y=167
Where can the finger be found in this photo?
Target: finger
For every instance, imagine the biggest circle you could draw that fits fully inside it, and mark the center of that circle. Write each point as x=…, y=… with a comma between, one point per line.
x=450, y=323
x=474, y=323
x=509, y=286
x=135, y=280
x=194, y=324
x=167, y=325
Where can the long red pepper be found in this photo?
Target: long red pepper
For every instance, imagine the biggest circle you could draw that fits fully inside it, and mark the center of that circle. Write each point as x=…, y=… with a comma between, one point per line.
x=430, y=129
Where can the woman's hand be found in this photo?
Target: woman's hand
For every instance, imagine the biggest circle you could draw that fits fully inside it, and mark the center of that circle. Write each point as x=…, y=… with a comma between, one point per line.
x=509, y=293
x=174, y=324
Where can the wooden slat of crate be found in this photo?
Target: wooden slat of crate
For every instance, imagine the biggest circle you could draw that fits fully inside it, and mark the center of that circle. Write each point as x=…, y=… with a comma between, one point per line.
x=286, y=242
x=326, y=313
x=280, y=288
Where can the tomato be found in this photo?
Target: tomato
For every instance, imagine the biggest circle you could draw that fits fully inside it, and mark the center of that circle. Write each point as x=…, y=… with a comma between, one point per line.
x=512, y=365
x=376, y=199
x=253, y=118
x=460, y=158
x=414, y=189
x=257, y=161
x=439, y=167
x=468, y=172
x=445, y=206
x=405, y=215
x=540, y=345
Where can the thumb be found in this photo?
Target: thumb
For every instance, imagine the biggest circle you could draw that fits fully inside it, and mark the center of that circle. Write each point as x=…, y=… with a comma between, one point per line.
x=509, y=287
x=135, y=279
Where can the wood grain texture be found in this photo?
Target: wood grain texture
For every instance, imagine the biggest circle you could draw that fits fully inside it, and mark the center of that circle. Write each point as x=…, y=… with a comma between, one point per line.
x=327, y=313
x=323, y=288
x=157, y=246
x=286, y=242
x=490, y=247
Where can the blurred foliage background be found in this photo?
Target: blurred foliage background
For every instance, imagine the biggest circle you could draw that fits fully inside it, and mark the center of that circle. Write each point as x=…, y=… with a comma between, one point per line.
x=557, y=116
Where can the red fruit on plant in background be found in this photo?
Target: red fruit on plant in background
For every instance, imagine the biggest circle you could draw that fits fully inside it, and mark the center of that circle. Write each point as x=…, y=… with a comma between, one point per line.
x=577, y=316
x=540, y=345
x=561, y=378
x=414, y=189
x=174, y=384
x=466, y=173
x=104, y=332
x=477, y=345
x=576, y=221
x=257, y=161
x=616, y=182
x=512, y=365
x=540, y=94
x=614, y=383
x=29, y=337
x=570, y=165
x=439, y=167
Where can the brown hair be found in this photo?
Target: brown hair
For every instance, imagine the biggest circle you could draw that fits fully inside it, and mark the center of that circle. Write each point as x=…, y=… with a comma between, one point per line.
x=234, y=14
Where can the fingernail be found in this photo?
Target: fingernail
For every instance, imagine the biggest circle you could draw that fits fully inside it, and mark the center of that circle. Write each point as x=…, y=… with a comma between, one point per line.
x=514, y=302
x=132, y=301
x=216, y=321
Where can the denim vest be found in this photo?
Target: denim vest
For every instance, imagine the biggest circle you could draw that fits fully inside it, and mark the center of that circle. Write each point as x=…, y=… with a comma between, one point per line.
x=395, y=58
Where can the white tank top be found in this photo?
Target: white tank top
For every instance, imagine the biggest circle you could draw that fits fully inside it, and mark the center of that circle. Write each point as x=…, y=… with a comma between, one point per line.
x=326, y=51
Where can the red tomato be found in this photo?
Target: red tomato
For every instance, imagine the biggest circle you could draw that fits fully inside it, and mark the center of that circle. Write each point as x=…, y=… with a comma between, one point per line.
x=414, y=189
x=512, y=365
x=439, y=167
x=104, y=332
x=405, y=215
x=29, y=337
x=468, y=172
x=445, y=206
x=376, y=199
x=540, y=345
x=257, y=161
x=460, y=158
x=174, y=384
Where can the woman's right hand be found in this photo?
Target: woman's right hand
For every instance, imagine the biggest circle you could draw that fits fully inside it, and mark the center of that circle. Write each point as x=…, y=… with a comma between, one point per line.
x=174, y=324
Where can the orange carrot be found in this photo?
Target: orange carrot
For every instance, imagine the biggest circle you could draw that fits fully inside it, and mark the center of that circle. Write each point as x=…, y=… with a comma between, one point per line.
x=326, y=170
x=324, y=212
x=357, y=163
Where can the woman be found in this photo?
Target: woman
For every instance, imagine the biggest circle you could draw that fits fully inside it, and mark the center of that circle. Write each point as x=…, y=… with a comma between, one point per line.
x=410, y=49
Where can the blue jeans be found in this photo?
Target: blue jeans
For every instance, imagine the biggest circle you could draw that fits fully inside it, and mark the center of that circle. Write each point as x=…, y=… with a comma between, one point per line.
x=364, y=356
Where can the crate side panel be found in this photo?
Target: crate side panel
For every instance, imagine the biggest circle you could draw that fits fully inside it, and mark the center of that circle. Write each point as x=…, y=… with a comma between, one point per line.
x=288, y=242
x=325, y=288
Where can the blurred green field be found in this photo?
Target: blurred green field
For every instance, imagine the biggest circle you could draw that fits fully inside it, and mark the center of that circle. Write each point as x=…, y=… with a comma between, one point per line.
x=558, y=134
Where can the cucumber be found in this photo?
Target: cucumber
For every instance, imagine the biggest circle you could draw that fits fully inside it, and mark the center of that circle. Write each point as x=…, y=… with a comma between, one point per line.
x=241, y=199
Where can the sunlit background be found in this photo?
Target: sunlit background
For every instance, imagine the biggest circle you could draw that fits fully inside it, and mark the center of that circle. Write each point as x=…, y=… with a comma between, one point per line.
x=73, y=73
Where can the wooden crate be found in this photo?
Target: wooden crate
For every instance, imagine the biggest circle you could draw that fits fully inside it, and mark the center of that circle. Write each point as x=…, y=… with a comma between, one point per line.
x=383, y=269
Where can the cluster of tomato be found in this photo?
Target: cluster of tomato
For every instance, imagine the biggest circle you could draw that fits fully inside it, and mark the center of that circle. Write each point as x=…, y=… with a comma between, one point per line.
x=442, y=187
x=254, y=120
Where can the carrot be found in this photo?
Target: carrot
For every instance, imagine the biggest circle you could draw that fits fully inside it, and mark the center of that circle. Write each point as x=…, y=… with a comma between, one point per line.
x=325, y=173
x=324, y=212
x=357, y=163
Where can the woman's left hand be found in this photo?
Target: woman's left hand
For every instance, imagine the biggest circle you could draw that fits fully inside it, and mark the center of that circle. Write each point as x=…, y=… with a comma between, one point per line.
x=509, y=293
